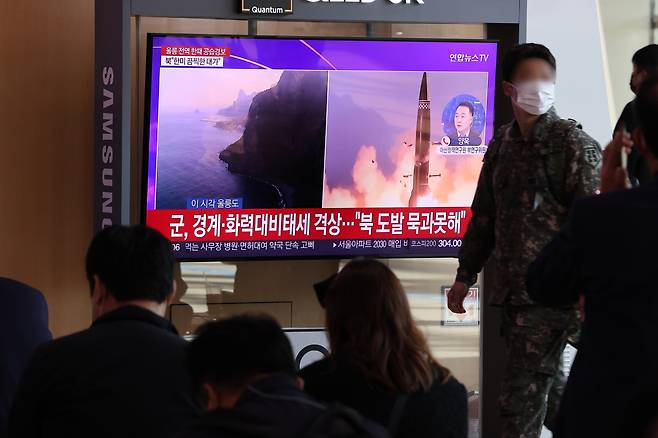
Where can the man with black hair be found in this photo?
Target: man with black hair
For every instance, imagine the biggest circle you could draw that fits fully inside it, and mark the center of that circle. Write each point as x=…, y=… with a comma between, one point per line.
x=606, y=252
x=534, y=169
x=126, y=375
x=245, y=368
x=463, y=120
x=645, y=64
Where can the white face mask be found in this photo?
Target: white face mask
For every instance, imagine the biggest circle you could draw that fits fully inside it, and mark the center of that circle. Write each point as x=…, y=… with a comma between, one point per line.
x=535, y=97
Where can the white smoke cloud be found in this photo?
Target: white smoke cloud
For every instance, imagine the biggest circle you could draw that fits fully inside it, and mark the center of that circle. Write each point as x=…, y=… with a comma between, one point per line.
x=372, y=188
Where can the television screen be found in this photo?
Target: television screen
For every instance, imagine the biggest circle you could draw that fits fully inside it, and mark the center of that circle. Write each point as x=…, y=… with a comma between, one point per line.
x=291, y=147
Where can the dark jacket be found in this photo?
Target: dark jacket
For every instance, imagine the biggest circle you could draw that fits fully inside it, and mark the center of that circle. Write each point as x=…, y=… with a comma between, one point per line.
x=607, y=251
x=441, y=412
x=525, y=189
x=23, y=327
x=274, y=407
x=637, y=166
x=124, y=377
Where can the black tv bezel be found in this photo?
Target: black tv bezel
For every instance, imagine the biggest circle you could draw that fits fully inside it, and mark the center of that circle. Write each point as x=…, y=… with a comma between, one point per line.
x=146, y=134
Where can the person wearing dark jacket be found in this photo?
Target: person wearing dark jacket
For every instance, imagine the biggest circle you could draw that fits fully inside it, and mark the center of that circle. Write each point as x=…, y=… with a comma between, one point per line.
x=245, y=368
x=126, y=375
x=380, y=363
x=606, y=252
x=23, y=327
x=645, y=64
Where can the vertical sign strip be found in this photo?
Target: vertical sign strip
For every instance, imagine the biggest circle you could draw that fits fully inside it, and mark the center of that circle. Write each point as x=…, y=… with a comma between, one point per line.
x=109, y=96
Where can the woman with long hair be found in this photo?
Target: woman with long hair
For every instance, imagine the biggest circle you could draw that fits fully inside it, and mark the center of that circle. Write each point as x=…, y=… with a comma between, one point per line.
x=380, y=362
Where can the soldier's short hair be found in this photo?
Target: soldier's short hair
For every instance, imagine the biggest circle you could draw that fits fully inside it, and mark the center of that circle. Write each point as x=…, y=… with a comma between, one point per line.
x=647, y=58
x=646, y=112
x=522, y=52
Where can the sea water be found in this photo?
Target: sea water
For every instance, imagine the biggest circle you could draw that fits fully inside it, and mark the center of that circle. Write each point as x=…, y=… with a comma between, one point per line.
x=189, y=166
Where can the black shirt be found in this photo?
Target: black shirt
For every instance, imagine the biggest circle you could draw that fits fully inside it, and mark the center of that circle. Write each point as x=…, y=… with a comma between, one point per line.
x=638, y=168
x=273, y=407
x=440, y=412
x=23, y=327
x=125, y=377
x=607, y=253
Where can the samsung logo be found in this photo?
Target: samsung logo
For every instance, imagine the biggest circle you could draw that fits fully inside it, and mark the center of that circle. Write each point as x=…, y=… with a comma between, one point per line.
x=107, y=147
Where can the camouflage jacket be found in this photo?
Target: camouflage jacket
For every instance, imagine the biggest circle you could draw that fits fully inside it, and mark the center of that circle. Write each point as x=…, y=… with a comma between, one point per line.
x=523, y=197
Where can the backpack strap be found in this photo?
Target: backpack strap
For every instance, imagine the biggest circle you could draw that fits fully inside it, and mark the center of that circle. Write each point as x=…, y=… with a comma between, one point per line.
x=556, y=149
x=396, y=414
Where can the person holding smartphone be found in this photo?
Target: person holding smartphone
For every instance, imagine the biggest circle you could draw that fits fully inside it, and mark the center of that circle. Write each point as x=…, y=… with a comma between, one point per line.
x=645, y=64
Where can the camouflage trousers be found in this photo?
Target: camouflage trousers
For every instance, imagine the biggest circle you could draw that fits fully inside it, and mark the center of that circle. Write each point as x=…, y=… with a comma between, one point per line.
x=534, y=381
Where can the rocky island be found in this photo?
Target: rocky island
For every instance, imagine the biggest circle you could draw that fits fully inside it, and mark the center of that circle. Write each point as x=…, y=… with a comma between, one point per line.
x=283, y=139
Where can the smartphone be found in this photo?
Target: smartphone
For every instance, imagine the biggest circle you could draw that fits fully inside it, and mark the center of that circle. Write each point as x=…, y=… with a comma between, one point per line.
x=624, y=159
x=624, y=155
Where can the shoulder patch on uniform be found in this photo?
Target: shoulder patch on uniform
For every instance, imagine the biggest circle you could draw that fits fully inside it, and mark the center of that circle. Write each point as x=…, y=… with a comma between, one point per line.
x=592, y=155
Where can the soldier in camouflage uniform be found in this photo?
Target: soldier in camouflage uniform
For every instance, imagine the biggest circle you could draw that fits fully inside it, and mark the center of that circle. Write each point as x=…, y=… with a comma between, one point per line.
x=533, y=170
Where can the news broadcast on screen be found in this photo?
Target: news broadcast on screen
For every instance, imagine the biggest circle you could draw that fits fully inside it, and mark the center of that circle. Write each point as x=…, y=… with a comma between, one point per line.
x=283, y=147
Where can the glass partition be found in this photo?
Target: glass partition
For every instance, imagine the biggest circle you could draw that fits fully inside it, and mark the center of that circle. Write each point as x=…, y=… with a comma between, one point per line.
x=284, y=290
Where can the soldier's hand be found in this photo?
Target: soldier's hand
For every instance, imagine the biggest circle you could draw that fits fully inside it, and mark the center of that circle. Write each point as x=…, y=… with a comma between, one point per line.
x=613, y=175
x=456, y=296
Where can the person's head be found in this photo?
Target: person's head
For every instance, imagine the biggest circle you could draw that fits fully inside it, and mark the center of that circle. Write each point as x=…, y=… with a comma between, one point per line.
x=528, y=72
x=464, y=117
x=227, y=356
x=23, y=309
x=371, y=328
x=130, y=265
x=645, y=136
x=645, y=64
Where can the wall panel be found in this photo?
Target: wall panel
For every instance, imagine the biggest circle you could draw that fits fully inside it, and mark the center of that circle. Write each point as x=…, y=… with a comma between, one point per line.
x=46, y=150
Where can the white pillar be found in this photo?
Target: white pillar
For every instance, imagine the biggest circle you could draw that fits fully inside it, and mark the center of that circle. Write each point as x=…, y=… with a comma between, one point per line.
x=572, y=30
x=626, y=29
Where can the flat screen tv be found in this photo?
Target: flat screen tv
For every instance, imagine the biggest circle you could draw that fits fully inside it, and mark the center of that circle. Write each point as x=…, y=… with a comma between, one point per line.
x=307, y=147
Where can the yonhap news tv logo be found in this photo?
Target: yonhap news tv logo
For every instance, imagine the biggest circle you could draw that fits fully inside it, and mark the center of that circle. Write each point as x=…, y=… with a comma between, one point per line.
x=266, y=7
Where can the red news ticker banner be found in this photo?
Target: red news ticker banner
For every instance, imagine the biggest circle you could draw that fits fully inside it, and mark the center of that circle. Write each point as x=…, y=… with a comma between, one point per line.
x=313, y=223
x=223, y=52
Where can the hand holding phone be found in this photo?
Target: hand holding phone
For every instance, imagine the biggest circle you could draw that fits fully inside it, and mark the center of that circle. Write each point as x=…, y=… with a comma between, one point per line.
x=614, y=175
x=625, y=150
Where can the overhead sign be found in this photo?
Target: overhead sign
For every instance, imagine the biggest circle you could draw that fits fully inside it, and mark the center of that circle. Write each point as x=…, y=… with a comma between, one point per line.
x=395, y=2
x=266, y=7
